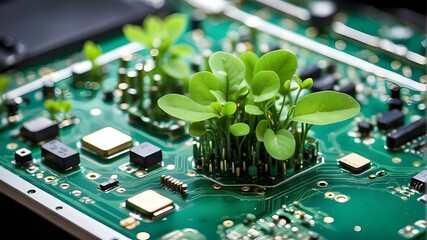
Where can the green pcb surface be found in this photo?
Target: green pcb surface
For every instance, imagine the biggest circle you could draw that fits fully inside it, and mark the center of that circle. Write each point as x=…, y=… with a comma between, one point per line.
x=324, y=201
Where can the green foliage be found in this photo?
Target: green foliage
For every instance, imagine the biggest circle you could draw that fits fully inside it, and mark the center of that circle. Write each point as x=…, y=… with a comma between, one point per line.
x=325, y=107
x=54, y=107
x=250, y=106
x=92, y=51
x=162, y=34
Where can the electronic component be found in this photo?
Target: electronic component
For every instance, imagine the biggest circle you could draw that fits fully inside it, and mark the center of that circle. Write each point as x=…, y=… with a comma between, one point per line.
x=150, y=203
x=109, y=184
x=364, y=128
x=391, y=120
x=146, y=155
x=349, y=89
x=39, y=129
x=326, y=82
x=406, y=133
x=418, y=181
x=61, y=155
x=48, y=89
x=106, y=142
x=423, y=198
x=23, y=156
x=354, y=163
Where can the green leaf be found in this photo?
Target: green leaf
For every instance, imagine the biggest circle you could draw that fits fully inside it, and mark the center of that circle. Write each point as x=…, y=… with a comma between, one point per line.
x=229, y=70
x=181, y=50
x=249, y=59
x=216, y=106
x=219, y=96
x=200, y=87
x=52, y=105
x=307, y=83
x=239, y=129
x=229, y=109
x=177, y=69
x=260, y=130
x=185, y=108
x=325, y=107
x=91, y=50
x=4, y=82
x=283, y=62
x=66, y=106
x=153, y=27
x=281, y=145
x=135, y=33
x=253, y=110
x=265, y=85
x=175, y=25
x=197, y=129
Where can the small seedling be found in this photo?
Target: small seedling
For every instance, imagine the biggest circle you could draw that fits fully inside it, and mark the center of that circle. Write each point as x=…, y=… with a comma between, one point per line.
x=54, y=107
x=254, y=111
x=92, y=51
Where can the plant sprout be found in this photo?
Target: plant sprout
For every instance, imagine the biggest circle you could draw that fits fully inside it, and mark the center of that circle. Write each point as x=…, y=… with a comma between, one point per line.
x=92, y=51
x=254, y=110
x=58, y=106
x=160, y=36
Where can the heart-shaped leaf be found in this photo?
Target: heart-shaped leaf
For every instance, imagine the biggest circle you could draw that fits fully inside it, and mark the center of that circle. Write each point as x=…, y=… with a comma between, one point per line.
x=200, y=85
x=239, y=129
x=265, y=85
x=197, y=129
x=250, y=59
x=253, y=110
x=281, y=145
x=260, y=129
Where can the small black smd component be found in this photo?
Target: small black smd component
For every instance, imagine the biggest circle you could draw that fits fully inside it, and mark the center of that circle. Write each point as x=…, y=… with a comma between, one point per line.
x=60, y=154
x=109, y=184
x=146, y=155
x=364, y=127
x=349, y=89
x=326, y=82
x=39, y=129
x=418, y=181
x=23, y=156
x=406, y=133
x=391, y=120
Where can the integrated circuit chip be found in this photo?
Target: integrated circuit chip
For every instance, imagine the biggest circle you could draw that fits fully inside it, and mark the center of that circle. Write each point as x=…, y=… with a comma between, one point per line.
x=354, y=163
x=61, y=155
x=106, y=142
x=150, y=203
x=39, y=129
x=146, y=155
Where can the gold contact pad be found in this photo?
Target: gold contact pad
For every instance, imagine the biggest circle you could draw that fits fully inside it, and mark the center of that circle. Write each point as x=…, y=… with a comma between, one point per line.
x=149, y=203
x=106, y=142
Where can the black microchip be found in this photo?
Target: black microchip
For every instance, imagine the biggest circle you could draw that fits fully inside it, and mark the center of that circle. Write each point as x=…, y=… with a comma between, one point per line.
x=23, y=156
x=326, y=82
x=39, y=129
x=46, y=28
x=406, y=133
x=146, y=155
x=391, y=120
x=364, y=127
x=418, y=181
x=109, y=184
x=61, y=155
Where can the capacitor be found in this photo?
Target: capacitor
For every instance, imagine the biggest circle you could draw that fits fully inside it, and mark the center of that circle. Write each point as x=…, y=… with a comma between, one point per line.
x=12, y=107
x=48, y=89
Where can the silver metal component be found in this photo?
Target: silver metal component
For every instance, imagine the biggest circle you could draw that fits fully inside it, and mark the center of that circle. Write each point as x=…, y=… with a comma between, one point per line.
x=288, y=8
x=380, y=43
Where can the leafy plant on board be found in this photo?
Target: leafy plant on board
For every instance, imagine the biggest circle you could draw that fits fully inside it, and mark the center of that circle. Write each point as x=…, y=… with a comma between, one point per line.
x=57, y=107
x=160, y=36
x=92, y=51
x=255, y=108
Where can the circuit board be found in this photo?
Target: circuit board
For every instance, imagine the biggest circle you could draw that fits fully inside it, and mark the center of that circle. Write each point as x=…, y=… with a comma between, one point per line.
x=110, y=164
